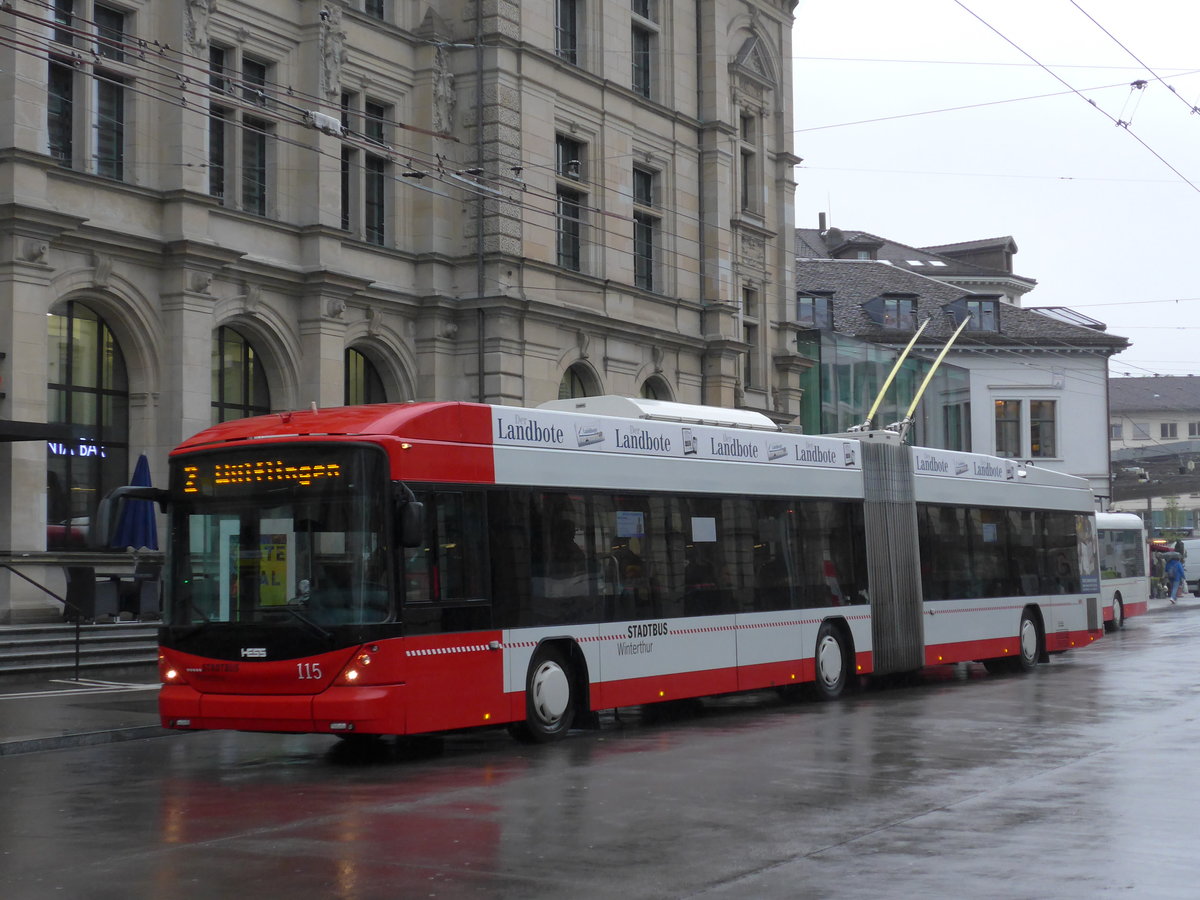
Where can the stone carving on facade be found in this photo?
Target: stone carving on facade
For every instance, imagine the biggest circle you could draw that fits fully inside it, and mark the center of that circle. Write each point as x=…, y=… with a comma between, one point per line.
x=582, y=341
x=332, y=44
x=444, y=98
x=335, y=307
x=102, y=269
x=195, y=27
x=374, y=321
x=754, y=250
x=657, y=354
x=251, y=299
x=34, y=251
x=200, y=282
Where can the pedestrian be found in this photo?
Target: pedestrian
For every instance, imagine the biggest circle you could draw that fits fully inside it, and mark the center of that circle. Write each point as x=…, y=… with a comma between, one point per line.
x=1174, y=574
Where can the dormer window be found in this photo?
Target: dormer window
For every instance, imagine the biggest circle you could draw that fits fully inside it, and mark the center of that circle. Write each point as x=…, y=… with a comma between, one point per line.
x=982, y=311
x=985, y=315
x=893, y=311
x=814, y=310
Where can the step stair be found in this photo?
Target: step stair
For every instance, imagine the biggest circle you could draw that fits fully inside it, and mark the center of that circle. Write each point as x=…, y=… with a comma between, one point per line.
x=38, y=650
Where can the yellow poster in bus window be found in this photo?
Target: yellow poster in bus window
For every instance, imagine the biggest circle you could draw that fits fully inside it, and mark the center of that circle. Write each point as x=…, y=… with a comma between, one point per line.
x=273, y=576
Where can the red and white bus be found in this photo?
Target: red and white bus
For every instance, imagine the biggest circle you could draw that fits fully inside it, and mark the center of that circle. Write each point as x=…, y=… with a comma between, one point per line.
x=1124, y=576
x=403, y=568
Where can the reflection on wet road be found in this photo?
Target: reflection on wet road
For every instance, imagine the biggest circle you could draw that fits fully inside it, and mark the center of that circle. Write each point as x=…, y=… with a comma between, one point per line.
x=1071, y=782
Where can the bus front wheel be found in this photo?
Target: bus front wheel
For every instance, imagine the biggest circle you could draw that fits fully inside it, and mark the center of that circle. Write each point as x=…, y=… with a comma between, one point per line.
x=830, y=660
x=1118, y=615
x=549, y=698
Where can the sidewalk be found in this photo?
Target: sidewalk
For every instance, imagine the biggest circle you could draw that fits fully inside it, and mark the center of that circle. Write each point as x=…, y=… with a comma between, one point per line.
x=59, y=713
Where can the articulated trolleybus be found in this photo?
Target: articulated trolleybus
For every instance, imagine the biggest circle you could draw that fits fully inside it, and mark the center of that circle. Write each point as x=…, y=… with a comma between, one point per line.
x=403, y=568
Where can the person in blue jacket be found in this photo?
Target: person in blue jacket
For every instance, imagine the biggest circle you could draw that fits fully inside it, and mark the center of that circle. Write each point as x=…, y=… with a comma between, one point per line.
x=1174, y=574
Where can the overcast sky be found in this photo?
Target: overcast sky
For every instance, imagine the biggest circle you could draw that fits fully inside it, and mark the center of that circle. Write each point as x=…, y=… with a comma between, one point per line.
x=1103, y=224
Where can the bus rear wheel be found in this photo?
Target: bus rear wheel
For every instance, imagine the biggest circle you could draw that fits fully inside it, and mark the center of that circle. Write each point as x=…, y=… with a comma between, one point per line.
x=549, y=698
x=1029, y=643
x=830, y=660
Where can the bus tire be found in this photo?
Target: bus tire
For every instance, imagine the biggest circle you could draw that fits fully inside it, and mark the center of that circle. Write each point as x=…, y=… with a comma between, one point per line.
x=549, y=698
x=1029, y=644
x=1118, y=617
x=831, y=660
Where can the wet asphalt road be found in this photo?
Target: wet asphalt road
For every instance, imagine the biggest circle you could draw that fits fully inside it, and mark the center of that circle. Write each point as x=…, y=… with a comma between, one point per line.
x=1077, y=781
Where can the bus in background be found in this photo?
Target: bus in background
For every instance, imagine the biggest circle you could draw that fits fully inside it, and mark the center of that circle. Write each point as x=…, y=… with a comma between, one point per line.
x=405, y=568
x=1124, y=575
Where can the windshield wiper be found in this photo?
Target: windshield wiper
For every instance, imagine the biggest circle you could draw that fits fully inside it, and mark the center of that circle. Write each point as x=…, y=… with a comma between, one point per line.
x=303, y=618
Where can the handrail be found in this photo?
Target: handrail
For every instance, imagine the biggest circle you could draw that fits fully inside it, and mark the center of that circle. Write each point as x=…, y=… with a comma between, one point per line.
x=62, y=600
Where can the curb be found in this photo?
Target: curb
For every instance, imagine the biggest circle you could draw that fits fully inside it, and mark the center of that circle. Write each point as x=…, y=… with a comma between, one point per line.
x=84, y=739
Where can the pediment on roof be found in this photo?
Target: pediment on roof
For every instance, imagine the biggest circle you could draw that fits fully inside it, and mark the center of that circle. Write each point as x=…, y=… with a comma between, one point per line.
x=753, y=61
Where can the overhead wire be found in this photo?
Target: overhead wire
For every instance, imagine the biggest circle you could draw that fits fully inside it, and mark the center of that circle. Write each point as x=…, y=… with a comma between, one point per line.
x=1191, y=108
x=1122, y=124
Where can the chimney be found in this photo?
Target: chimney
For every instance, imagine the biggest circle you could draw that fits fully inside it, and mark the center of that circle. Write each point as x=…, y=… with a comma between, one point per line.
x=821, y=222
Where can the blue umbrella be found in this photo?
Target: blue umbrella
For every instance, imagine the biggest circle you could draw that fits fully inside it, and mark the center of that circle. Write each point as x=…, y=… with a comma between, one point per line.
x=137, y=527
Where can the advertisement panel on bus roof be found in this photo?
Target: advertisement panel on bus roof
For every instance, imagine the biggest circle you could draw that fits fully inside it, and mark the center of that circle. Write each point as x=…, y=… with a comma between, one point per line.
x=568, y=431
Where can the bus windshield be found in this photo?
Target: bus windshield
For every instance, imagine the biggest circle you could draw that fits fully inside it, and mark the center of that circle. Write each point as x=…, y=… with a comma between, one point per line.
x=293, y=534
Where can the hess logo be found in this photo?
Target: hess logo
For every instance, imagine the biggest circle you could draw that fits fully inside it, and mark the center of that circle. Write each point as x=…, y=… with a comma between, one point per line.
x=254, y=653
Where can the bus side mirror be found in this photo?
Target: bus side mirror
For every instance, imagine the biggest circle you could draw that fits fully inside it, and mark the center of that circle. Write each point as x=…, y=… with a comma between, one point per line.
x=412, y=524
x=108, y=512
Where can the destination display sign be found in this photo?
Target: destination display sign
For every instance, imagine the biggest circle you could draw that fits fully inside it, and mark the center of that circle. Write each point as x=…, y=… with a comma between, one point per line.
x=296, y=470
x=567, y=431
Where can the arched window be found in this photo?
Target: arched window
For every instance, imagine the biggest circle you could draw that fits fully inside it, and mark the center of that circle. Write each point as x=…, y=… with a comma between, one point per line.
x=239, y=384
x=654, y=388
x=362, y=381
x=576, y=382
x=86, y=388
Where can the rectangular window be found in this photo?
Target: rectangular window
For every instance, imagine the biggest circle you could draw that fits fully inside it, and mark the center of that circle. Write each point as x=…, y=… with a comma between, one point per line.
x=64, y=21
x=899, y=312
x=1115, y=432
x=110, y=126
x=254, y=82
x=570, y=229
x=645, y=229
x=568, y=158
x=984, y=315
x=1042, y=428
x=1193, y=429
x=566, y=30
x=254, y=165
x=642, y=41
x=60, y=121
x=375, y=175
x=814, y=311
x=750, y=368
x=373, y=8
x=570, y=202
x=374, y=199
x=1168, y=430
x=751, y=180
x=1008, y=428
x=349, y=159
x=110, y=33
x=1141, y=431
x=219, y=129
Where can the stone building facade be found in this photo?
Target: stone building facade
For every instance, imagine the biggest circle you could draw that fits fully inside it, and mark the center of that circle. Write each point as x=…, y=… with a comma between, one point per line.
x=210, y=210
